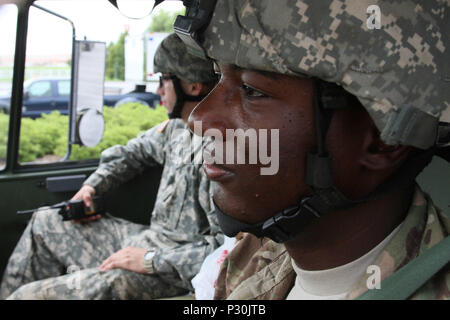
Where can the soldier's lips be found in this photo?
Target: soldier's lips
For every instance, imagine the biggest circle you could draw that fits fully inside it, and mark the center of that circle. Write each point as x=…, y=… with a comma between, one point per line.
x=216, y=172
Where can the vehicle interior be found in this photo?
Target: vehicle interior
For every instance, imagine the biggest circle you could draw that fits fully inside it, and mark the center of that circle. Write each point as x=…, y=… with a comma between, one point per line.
x=31, y=184
x=46, y=179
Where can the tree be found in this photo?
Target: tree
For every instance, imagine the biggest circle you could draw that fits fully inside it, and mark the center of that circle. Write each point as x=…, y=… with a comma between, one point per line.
x=115, y=59
x=115, y=52
x=163, y=21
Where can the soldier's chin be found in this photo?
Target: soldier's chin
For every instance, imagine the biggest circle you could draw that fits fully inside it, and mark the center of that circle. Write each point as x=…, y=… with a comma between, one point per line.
x=169, y=110
x=232, y=205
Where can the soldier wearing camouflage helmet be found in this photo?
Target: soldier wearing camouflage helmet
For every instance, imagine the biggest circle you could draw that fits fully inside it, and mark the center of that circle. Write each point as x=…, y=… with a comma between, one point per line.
x=179, y=68
x=360, y=111
x=115, y=258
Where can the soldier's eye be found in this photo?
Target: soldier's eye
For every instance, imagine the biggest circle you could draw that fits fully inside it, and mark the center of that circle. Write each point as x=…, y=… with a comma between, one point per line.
x=252, y=92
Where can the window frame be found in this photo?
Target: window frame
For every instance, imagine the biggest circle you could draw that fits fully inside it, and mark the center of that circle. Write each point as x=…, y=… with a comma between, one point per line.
x=12, y=164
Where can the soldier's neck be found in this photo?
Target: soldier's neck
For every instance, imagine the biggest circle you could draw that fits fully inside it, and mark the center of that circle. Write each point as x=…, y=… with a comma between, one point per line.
x=187, y=109
x=343, y=236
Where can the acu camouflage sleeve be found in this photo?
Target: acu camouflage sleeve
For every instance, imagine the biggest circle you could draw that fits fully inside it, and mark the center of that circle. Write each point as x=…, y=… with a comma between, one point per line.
x=179, y=264
x=119, y=164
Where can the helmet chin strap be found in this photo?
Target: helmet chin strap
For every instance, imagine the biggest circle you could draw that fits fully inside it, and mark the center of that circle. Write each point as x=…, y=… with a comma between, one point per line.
x=324, y=197
x=182, y=98
x=279, y=228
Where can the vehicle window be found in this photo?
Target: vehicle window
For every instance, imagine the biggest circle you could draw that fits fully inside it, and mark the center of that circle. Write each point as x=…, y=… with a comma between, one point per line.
x=130, y=103
x=40, y=89
x=8, y=22
x=44, y=123
x=64, y=87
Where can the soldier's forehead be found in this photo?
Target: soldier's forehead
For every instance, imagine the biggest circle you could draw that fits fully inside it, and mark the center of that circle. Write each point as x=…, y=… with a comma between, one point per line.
x=233, y=67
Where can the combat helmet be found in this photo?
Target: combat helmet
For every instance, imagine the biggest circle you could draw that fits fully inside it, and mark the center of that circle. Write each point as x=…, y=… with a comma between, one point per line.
x=399, y=72
x=172, y=57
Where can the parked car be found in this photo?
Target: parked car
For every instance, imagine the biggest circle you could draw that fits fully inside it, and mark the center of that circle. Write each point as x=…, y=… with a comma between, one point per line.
x=46, y=95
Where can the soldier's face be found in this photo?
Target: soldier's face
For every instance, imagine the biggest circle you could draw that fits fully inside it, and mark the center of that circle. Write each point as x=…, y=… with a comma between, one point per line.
x=246, y=99
x=167, y=93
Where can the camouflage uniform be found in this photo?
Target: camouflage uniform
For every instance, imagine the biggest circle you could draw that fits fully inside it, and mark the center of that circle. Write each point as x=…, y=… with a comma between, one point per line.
x=183, y=229
x=262, y=269
x=398, y=72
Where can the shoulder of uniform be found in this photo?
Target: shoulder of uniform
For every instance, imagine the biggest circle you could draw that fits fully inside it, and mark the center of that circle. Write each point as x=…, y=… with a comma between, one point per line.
x=163, y=126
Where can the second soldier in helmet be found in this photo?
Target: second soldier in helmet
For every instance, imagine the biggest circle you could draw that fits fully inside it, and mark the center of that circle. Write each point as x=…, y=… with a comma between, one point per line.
x=115, y=258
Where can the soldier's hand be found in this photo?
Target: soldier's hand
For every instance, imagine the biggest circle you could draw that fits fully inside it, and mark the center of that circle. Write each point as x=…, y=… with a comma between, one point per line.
x=130, y=258
x=86, y=193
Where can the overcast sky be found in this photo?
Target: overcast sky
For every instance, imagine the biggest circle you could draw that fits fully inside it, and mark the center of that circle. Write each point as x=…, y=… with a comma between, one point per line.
x=94, y=19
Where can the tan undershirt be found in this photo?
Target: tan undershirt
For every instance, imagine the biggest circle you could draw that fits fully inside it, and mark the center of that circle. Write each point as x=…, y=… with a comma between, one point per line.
x=335, y=283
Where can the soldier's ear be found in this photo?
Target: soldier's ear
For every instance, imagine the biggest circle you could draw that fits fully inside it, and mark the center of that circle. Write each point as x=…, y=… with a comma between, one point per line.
x=376, y=155
x=193, y=88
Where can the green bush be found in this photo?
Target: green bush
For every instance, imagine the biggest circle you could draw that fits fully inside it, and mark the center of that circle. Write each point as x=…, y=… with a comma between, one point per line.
x=41, y=136
x=4, y=123
x=121, y=124
x=48, y=135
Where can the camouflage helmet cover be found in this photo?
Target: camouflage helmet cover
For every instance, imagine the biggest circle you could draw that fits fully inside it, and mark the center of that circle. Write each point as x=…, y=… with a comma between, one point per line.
x=172, y=57
x=400, y=72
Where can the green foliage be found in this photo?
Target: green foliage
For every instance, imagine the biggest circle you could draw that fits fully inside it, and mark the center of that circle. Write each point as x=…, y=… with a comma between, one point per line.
x=39, y=136
x=163, y=21
x=115, y=59
x=121, y=124
x=4, y=123
x=48, y=135
x=115, y=52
